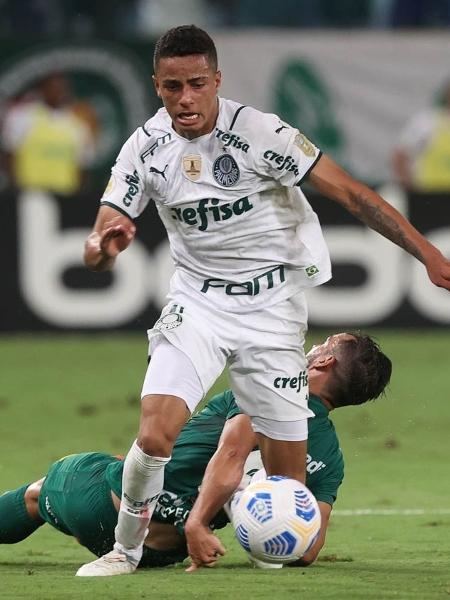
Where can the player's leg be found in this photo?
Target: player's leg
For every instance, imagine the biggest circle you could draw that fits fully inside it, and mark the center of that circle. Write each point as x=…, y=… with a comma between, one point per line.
x=171, y=391
x=19, y=514
x=270, y=381
x=281, y=457
x=162, y=418
x=186, y=360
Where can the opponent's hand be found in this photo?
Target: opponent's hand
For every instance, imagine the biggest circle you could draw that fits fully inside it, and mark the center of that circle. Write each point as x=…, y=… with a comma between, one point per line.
x=116, y=236
x=204, y=548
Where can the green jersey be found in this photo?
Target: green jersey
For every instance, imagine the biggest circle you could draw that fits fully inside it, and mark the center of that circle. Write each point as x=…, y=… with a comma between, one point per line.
x=199, y=439
x=76, y=495
x=324, y=461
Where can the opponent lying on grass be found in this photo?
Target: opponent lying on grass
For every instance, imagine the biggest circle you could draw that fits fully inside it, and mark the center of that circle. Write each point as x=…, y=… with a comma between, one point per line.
x=80, y=493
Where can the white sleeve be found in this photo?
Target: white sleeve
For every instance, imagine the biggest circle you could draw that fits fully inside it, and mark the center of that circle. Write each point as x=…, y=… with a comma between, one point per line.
x=284, y=154
x=126, y=189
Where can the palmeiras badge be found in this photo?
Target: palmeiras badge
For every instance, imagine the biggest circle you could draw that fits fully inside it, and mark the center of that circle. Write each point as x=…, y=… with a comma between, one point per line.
x=192, y=166
x=168, y=321
x=225, y=170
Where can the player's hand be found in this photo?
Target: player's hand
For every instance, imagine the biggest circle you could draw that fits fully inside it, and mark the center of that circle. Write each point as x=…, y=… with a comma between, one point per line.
x=438, y=268
x=204, y=548
x=116, y=236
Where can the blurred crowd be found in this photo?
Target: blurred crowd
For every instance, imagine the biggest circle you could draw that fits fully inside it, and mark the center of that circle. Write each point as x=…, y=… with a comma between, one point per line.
x=49, y=137
x=147, y=18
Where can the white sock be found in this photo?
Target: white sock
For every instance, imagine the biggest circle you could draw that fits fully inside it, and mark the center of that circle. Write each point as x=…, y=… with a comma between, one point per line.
x=142, y=482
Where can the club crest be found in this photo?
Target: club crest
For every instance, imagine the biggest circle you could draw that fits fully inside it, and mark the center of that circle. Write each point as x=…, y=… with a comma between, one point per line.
x=168, y=322
x=225, y=170
x=192, y=166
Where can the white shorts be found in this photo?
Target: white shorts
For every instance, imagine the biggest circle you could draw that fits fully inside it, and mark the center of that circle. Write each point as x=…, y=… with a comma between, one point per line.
x=181, y=380
x=263, y=350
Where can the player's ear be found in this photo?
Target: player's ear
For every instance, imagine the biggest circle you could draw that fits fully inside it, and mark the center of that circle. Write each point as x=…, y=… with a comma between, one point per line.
x=218, y=79
x=324, y=362
x=156, y=84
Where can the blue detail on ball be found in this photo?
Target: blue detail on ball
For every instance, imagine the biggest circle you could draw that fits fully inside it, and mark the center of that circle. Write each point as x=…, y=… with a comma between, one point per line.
x=242, y=536
x=276, y=477
x=260, y=507
x=280, y=545
x=304, y=508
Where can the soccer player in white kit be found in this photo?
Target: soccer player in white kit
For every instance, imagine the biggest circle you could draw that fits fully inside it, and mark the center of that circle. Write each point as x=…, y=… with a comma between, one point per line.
x=246, y=244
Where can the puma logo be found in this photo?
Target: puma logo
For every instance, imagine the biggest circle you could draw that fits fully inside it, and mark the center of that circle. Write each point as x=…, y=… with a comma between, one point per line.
x=280, y=129
x=162, y=173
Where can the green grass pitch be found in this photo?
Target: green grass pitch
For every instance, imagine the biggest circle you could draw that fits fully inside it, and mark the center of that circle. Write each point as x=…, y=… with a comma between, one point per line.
x=67, y=394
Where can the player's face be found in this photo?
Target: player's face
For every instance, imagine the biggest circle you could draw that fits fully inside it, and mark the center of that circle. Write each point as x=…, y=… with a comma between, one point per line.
x=327, y=347
x=188, y=86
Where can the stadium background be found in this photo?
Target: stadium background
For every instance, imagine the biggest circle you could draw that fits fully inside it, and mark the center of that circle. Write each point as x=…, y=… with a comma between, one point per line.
x=349, y=74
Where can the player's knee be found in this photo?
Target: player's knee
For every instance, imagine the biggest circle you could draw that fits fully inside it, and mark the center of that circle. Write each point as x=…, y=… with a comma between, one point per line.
x=156, y=444
x=157, y=433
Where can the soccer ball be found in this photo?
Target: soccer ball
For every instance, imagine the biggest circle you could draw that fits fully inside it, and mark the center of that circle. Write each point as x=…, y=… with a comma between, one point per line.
x=276, y=520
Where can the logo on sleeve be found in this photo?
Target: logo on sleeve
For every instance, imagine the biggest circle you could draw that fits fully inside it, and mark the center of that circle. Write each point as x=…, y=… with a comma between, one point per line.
x=159, y=142
x=133, y=188
x=111, y=185
x=282, y=126
x=302, y=142
x=225, y=170
x=284, y=163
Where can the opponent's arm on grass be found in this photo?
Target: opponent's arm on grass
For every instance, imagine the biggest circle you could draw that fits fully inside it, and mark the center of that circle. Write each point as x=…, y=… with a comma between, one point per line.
x=113, y=232
x=309, y=557
x=365, y=204
x=222, y=476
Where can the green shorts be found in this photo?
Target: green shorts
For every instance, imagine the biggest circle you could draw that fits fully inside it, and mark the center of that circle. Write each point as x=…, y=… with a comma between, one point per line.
x=76, y=499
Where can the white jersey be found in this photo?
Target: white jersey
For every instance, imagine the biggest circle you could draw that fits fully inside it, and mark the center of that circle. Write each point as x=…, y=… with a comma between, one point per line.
x=240, y=229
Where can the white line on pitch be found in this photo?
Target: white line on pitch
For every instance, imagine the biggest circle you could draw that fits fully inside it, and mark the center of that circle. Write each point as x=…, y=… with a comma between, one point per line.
x=383, y=512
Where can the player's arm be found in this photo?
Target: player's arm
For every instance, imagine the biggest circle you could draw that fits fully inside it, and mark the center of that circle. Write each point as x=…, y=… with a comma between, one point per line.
x=222, y=476
x=112, y=233
x=309, y=557
x=368, y=206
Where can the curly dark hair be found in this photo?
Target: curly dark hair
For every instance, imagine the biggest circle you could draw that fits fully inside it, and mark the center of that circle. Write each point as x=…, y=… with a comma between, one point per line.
x=361, y=373
x=184, y=41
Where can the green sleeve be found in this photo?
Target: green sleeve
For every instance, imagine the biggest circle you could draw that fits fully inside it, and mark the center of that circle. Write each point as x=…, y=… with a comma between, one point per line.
x=224, y=404
x=326, y=488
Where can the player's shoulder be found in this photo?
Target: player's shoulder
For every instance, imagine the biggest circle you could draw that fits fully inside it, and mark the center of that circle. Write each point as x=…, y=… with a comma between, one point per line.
x=251, y=123
x=150, y=136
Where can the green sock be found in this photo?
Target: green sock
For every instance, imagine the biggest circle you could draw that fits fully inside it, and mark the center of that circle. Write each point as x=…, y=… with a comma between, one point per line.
x=15, y=522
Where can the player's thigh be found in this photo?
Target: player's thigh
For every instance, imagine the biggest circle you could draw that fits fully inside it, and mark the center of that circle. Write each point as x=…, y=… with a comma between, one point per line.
x=284, y=457
x=187, y=351
x=269, y=373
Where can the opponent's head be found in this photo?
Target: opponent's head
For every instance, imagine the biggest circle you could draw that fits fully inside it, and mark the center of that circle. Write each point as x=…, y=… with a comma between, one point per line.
x=352, y=367
x=187, y=80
